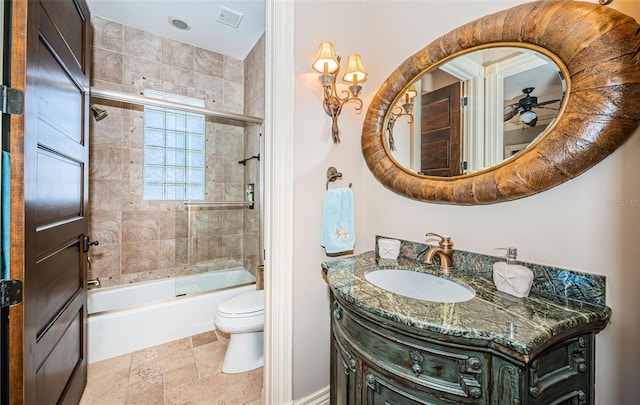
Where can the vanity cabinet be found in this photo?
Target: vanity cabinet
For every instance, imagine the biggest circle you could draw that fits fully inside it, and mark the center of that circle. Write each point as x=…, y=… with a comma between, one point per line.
x=376, y=361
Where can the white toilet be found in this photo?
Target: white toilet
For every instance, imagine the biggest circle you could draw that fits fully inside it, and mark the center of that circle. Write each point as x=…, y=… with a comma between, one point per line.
x=242, y=317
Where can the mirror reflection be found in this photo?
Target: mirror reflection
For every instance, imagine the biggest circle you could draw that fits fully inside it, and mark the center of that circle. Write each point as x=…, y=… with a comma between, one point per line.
x=474, y=111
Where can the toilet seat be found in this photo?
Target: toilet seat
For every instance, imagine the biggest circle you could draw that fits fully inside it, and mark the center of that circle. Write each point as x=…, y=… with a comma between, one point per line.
x=243, y=306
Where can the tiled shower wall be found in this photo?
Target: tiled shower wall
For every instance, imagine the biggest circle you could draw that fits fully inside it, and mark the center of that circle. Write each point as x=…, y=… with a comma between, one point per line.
x=254, y=80
x=142, y=240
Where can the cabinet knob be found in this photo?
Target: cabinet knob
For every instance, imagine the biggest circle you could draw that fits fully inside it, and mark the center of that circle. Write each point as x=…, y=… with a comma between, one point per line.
x=416, y=359
x=475, y=392
x=475, y=363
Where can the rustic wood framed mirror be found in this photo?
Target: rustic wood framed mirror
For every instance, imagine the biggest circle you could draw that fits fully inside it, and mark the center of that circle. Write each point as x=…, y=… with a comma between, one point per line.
x=597, y=52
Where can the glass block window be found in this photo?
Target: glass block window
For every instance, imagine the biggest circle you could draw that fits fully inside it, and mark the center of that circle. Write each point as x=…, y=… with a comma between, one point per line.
x=174, y=150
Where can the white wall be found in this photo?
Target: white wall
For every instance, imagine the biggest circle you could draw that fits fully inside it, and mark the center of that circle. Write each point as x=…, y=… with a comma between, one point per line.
x=314, y=152
x=583, y=224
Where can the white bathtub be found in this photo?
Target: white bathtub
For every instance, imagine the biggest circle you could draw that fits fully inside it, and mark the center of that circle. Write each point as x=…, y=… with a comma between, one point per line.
x=136, y=316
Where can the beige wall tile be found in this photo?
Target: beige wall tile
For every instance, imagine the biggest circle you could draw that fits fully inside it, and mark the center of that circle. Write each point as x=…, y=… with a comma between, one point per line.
x=109, y=164
x=208, y=62
x=107, y=132
x=233, y=69
x=212, y=85
x=140, y=227
x=106, y=226
x=105, y=262
x=140, y=256
x=141, y=73
x=167, y=253
x=107, y=34
x=106, y=195
x=128, y=278
x=180, y=79
x=233, y=245
x=107, y=65
x=178, y=54
x=146, y=240
x=233, y=94
x=142, y=44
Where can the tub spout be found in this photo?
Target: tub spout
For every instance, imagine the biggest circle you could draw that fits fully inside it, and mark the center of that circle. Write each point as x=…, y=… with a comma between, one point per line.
x=94, y=282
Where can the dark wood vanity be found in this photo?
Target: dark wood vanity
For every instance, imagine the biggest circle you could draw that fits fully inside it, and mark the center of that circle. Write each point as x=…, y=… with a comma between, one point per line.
x=492, y=349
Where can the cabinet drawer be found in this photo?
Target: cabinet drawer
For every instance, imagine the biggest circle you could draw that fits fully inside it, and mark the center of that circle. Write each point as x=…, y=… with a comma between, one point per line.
x=563, y=371
x=381, y=390
x=453, y=374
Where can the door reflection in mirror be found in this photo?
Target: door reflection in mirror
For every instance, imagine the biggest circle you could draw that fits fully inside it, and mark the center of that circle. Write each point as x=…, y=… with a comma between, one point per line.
x=474, y=111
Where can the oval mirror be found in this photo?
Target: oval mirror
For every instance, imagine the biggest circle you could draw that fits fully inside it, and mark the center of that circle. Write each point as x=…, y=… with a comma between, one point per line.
x=474, y=111
x=598, y=86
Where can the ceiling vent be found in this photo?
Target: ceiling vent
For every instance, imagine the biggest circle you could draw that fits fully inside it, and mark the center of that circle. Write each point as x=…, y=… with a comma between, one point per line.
x=229, y=17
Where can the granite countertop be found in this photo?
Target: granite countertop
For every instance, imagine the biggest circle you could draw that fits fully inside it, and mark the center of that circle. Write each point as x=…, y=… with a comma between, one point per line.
x=518, y=327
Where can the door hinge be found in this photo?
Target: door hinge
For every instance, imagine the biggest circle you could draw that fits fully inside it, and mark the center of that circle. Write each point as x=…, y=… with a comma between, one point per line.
x=10, y=292
x=464, y=101
x=12, y=100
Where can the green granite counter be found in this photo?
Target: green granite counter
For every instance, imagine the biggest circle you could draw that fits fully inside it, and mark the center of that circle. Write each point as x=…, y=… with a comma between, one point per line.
x=517, y=327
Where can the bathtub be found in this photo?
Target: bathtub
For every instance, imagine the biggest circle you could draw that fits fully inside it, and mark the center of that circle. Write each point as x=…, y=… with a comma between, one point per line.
x=127, y=318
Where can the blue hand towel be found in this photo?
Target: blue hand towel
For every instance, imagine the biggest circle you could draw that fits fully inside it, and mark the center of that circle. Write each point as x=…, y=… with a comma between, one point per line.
x=338, y=231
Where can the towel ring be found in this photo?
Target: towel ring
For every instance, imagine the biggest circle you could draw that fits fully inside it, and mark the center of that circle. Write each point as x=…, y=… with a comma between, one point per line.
x=332, y=175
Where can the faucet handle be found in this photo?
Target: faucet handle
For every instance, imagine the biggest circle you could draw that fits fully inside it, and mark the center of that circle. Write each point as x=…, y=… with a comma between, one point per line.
x=445, y=240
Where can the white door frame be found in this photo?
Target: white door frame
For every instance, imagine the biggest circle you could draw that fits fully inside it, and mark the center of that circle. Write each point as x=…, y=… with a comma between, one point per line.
x=278, y=192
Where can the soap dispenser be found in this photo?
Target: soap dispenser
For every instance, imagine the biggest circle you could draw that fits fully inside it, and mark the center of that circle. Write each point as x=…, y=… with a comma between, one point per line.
x=511, y=277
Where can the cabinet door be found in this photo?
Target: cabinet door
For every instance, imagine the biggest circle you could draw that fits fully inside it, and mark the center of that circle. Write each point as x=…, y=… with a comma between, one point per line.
x=344, y=374
x=563, y=374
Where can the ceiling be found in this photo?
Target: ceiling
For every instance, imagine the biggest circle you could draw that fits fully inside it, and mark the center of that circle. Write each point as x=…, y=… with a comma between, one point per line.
x=205, y=32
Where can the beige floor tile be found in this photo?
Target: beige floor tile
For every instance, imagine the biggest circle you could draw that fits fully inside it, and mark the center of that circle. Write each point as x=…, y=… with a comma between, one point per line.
x=108, y=389
x=182, y=375
x=115, y=364
x=204, y=338
x=178, y=358
x=220, y=389
x=144, y=364
x=209, y=358
x=146, y=392
x=185, y=372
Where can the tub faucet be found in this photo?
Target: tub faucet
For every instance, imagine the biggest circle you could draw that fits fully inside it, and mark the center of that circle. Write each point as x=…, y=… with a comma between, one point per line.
x=95, y=282
x=444, y=251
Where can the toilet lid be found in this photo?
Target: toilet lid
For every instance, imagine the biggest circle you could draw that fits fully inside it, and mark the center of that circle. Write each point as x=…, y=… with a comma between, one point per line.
x=252, y=301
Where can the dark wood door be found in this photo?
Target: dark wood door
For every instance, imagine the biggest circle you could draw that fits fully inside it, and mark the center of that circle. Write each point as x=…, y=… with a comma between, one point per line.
x=50, y=223
x=440, y=147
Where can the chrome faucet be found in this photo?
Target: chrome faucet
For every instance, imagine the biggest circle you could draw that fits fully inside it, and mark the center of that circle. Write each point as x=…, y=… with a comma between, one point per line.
x=444, y=251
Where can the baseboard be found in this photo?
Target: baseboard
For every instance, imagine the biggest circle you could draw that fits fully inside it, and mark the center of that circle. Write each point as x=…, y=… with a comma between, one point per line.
x=320, y=397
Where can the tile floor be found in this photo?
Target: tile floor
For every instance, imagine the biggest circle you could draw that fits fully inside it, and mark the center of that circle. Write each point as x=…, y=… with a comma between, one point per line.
x=184, y=372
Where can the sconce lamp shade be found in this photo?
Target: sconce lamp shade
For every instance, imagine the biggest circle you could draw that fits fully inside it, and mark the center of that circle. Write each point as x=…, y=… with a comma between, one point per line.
x=326, y=61
x=411, y=93
x=355, y=72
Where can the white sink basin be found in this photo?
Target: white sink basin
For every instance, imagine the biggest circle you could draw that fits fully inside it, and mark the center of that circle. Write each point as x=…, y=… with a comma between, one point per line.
x=420, y=286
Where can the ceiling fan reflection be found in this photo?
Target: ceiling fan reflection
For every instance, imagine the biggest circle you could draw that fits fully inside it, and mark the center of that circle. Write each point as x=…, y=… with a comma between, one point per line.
x=525, y=107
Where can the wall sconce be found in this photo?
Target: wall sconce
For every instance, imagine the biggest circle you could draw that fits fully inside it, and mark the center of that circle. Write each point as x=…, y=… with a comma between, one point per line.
x=404, y=108
x=328, y=64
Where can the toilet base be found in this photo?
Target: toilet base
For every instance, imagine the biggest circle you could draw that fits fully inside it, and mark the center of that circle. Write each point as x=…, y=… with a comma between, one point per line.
x=244, y=353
